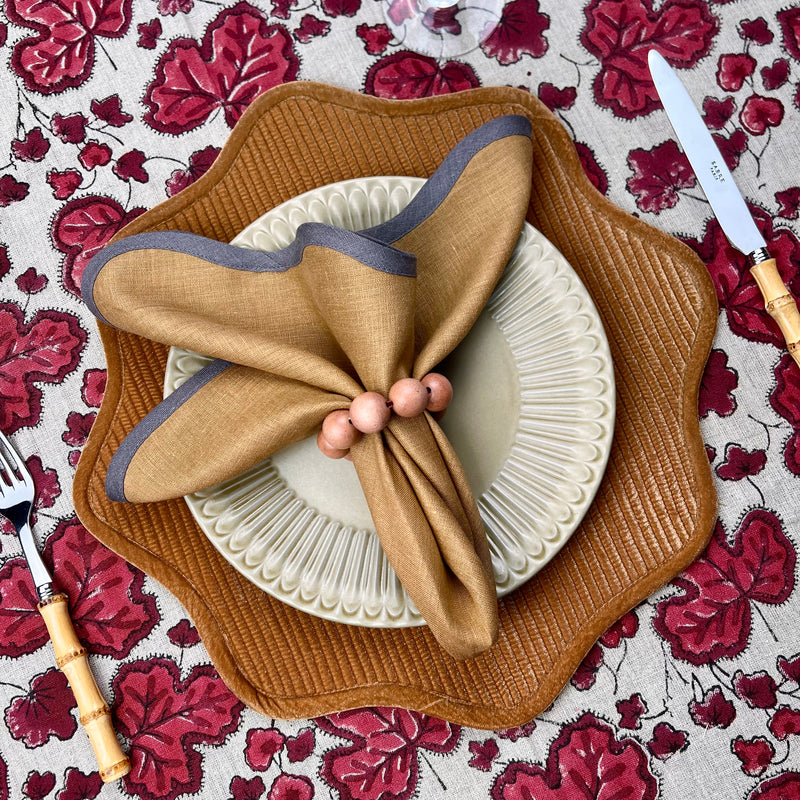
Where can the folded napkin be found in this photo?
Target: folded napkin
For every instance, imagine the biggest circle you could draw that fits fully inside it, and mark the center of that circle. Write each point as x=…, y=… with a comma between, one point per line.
x=300, y=332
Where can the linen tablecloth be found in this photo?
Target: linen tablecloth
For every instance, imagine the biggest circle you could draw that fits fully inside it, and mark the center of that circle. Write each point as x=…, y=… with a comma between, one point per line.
x=110, y=107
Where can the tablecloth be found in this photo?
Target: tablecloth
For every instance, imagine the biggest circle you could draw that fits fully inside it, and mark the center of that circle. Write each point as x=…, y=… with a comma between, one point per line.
x=110, y=106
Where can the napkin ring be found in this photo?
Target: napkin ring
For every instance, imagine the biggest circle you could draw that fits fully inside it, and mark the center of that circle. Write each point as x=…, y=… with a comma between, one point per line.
x=370, y=412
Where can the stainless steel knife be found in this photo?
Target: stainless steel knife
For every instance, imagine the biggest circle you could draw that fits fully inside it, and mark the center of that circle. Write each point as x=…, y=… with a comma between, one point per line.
x=725, y=199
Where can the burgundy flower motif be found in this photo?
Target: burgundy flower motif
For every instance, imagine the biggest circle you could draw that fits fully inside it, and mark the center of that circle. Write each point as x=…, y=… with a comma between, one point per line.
x=239, y=57
x=70, y=129
x=45, y=711
x=483, y=754
x=94, y=385
x=789, y=20
x=82, y=227
x=585, y=760
x=263, y=744
x=621, y=34
x=31, y=281
x=586, y=673
x=282, y=8
x=757, y=690
x=129, y=167
x=740, y=463
x=341, y=8
x=785, y=722
x=789, y=201
x=756, y=754
x=519, y=32
x=149, y=33
x=12, y=190
x=183, y=634
x=716, y=113
x=520, y=732
x=778, y=787
x=555, y=98
x=756, y=30
x=717, y=386
x=165, y=718
x=631, y=711
x=775, y=76
x=64, y=183
x=790, y=668
x=713, y=711
x=80, y=785
x=199, y=163
x=44, y=350
x=3, y=33
x=78, y=427
x=405, y=76
x=442, y=19
x=33, y=147
x=658, y=175
x=711, y=616
x=310, y=27
x=733, y=69
x=243, y=789
x=731, y=147
x=596, y=174
x=169, y=8
x=291, y=787
x=382, y=757
x=94, y=154
x=760, y=113
x=60, y=54
x=5, y=261
x=667, y=741
x=39, y=785
x=110, y=111
x=375, y=37
x=624, y=628
x=737, y=291
x=300, y=747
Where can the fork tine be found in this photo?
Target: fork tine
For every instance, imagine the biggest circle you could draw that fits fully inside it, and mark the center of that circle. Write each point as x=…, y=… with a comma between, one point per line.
x=16, y=465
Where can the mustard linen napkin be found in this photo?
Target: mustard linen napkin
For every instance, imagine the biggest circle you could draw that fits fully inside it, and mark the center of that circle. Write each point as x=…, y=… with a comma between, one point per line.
x=300, y=332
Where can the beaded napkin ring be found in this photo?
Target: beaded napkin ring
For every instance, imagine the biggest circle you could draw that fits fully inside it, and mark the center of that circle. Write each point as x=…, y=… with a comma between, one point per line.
x=370, y=412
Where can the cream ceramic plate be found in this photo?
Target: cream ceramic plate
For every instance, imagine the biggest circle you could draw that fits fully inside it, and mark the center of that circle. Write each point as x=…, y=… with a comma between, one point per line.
x=531, y=421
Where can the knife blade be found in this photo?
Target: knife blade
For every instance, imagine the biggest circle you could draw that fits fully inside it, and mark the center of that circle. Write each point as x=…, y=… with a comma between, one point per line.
x=725, y=198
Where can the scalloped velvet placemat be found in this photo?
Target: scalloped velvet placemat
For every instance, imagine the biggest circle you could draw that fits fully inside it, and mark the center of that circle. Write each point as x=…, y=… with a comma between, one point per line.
x=654, y=511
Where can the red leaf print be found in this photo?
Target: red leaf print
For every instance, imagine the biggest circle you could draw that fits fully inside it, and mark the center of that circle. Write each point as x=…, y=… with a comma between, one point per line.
x=555, y=98
x=756, y=754
x=775, y=76
x=760, y=113
x=263, y=744
x=666, y=741
x=129, y=167
x=110, y=111
x=39, y=785
x=22, y=630
x=199, y=163
x=33, y=147
x=731, y=147
x=519, y=32
x=789, y=20
x=630, y=711
x=586, y=673
x=81, y=228
x=756, y=30
x=777, y=788
x=164, y=719
x=310, y=27
x=149, y=33
x=483, y=754
x=737, y=291
x=184, y=634
x=621, y=34
x=44, y=350
x=711, y=617
x=31, y=282
x=80, y=785
x=784, y=399
x=44, y=712
x=382, y=759
x=60, y=55
x=70, y=129
x=520, y=732
x=789, y=201
x=585, y=760
x=658, y=174
x=341, y=8
x=717, y=386
x=624, y=628
x=740, y=463
x=291, y=787
x=733, y=69
x=64, y=183
x=169, y=8
x=12, y=190
x=713, y=711
x=242, y=789
x=785, y=723
x=94, y=155
x=94, y=385
x=595, y=173
x=5, y=261
x=375, y=37
x=406, y=75
x=790, y=668
x=239, y=57
x=300, y=747
x=757, y=690
x=716, y=113
x=110, y=611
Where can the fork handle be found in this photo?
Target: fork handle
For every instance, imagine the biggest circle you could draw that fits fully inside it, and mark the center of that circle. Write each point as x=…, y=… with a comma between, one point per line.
x=94, y=713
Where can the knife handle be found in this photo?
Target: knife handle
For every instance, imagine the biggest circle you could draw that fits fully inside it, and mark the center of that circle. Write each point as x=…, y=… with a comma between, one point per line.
x=94, y=713
x=780, y=304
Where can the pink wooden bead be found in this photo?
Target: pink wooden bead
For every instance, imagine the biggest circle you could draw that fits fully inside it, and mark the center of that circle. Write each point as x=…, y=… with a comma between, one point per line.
x=338, y=431
x=326, y=449
x=409, y=397
x=440, y=391
x=369, y=412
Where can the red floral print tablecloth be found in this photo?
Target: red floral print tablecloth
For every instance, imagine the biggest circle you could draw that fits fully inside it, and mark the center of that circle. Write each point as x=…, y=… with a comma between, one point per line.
x=109, y=106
